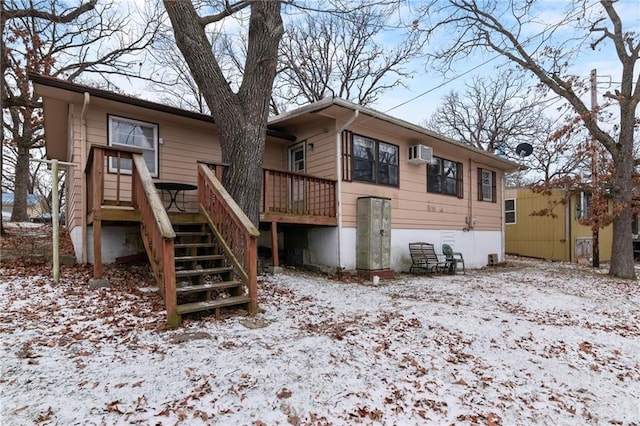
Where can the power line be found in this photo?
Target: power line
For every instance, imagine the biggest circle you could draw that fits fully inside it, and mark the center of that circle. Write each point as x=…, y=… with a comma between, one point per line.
x=443, y=83
x=546, y=29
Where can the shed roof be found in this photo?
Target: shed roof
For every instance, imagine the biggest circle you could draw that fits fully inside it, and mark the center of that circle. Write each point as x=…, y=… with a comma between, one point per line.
x=32, y=199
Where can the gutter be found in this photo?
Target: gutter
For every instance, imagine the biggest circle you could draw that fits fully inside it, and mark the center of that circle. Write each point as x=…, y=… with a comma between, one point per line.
x=323, y=104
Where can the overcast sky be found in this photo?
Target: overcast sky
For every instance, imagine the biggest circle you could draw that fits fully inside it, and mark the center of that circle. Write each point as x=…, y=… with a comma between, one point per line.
x=425, y=90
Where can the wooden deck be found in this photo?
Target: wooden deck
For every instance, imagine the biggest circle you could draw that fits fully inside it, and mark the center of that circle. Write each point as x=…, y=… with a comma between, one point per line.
x=291, y=198
x=120, y=189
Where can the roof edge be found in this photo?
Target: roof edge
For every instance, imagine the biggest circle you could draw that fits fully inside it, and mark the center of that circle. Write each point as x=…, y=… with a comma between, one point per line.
x=131, y=100
x=327, y=102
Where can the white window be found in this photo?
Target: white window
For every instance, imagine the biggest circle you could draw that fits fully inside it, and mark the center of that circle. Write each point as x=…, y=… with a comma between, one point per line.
x=510, y=211
x=140, y=135
x=297, y=158
x=584, y=202
x=487, y=185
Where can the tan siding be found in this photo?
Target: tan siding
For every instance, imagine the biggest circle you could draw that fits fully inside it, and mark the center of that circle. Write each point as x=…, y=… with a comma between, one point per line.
x=75, y=174
x=321, y=160
x=275, y=155
x=412, y=206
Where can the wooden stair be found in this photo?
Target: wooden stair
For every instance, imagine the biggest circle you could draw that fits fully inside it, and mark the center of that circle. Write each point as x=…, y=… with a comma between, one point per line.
x=204, y=278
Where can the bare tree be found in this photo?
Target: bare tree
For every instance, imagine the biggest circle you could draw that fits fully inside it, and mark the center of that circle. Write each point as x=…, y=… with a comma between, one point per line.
x=498, y=113
x=173, y=79
x=344, y=55
x=515, y=30
x=241, y=115
x=493, y=114
x=48, y=37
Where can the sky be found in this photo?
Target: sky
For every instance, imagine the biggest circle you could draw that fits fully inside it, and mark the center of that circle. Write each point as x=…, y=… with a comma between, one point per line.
x=530, y=342
x=429, y=86
x=425, y=90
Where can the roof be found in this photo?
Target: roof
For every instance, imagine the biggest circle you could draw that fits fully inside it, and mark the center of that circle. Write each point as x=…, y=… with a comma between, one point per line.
x=277, y=125
x=32, y=199
x=131, y=100
x=331, y=102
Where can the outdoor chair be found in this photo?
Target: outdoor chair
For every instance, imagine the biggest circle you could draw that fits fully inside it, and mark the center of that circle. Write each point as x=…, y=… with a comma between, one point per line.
x=453, y=257
x=424, y=258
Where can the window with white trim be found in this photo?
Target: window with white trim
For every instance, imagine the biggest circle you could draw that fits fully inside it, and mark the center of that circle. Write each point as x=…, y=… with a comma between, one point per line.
x=510, y=211
x=583, y=207
x=487, y=185
x=140, y=135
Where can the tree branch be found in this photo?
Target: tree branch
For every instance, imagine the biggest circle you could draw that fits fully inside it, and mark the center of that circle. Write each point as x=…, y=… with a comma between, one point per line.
x=48, y=16
x=228, y=11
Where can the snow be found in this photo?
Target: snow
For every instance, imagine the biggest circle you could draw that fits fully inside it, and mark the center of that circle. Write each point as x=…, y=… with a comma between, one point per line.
x=528, y=343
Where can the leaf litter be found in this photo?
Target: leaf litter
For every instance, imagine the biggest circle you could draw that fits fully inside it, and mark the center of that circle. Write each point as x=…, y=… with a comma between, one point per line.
x=530, y=343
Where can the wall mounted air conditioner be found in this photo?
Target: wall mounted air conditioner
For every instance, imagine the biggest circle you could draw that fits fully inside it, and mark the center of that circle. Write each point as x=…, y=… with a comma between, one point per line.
x=420, y=154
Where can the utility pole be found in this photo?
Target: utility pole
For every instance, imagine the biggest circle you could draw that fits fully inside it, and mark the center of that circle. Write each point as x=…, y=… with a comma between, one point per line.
x=596, y=198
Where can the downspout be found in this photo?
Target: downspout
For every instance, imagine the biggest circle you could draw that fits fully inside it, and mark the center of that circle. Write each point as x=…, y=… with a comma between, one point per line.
x=339, y=182
x=502, y=223
x=83, y=180
x=567, y=226
x=469, y=224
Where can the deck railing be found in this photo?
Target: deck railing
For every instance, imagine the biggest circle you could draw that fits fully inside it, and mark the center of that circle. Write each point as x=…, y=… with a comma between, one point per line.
x=290, y=193
x=116, y=162
x=234, y=231
x=298, y=194
x=157, y=235
x=133, y=187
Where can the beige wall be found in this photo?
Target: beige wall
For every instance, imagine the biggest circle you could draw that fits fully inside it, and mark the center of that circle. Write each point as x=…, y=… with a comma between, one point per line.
x=412, y=206
x=184, y=142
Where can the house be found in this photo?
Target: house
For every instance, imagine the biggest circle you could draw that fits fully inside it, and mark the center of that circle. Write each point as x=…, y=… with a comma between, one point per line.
x=345, y=186
x=37, y=206
x=559, y=236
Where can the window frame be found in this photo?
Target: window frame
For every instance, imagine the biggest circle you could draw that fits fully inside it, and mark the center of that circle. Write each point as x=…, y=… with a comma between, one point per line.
x=459, y=178
x=584, y=205
x=493, y=195
x=375, y=163
x=512, y=211
x=111, y=120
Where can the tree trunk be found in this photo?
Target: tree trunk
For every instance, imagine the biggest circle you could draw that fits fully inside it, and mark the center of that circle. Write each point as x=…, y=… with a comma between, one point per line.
x=21, y=184
x=243, y=142
x=241, y=117
x=622, y=261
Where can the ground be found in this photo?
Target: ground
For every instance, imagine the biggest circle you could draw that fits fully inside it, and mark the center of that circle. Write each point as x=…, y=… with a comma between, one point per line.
x=530, y=342
x=31, y=242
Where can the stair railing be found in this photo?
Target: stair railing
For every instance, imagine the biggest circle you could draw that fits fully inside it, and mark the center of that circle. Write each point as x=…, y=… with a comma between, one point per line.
x=233, y=229
x=157, y=235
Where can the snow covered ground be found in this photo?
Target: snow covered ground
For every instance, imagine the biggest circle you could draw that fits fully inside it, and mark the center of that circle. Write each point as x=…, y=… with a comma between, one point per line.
x=531, y=343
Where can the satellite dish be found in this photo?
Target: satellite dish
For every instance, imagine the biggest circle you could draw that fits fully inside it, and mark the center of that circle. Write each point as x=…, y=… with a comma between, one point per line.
x=524, y=149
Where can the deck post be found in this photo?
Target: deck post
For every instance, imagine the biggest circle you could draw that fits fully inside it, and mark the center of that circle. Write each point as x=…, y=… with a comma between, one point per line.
x=251, y=261
x=170, y=295
x=96, y=205
x=274, y=244
x=97, y=248
x=266, y=193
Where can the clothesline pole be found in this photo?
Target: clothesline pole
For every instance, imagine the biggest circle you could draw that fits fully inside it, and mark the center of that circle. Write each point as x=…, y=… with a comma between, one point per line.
x=55, y=214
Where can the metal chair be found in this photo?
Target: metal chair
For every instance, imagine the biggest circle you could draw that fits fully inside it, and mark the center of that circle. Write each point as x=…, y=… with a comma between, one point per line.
x=454, y=257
